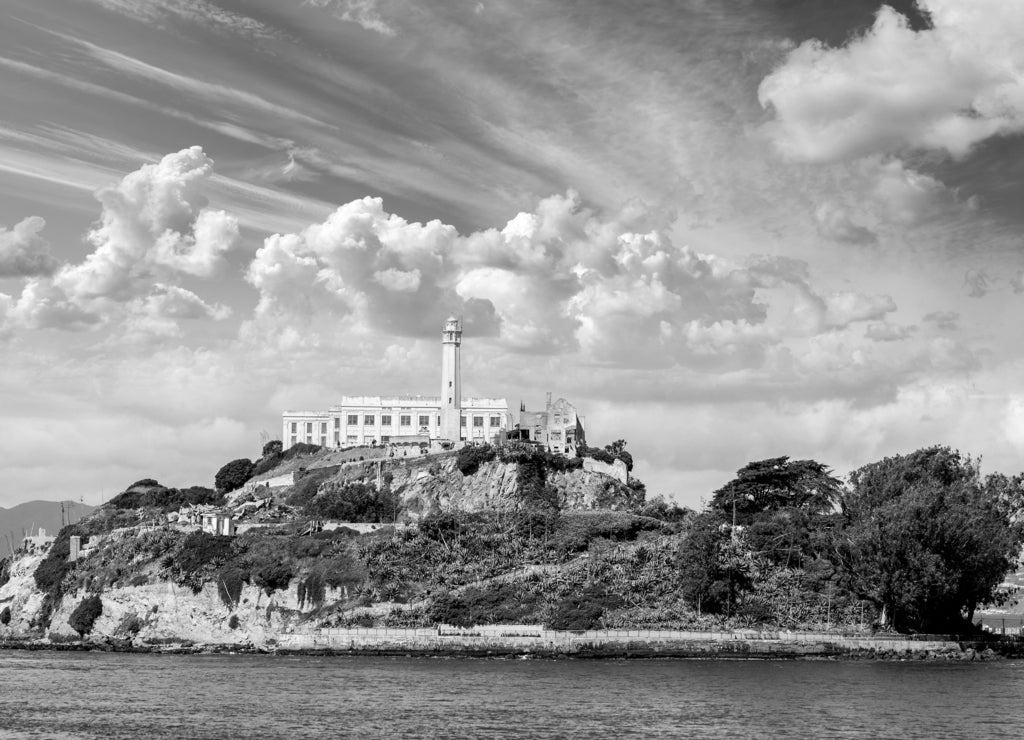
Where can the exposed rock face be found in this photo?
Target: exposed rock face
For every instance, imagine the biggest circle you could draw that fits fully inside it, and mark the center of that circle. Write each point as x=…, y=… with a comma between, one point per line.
x=440, y=486
x=161, y=612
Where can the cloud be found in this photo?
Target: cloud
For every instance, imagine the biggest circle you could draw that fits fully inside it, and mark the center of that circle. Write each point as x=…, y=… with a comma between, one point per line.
x=562, y=279
x=835, y=223
x=978, y=283
x=372, y=268
x=361, y=12
x=945, y=320
x=154, y=229
x=883, y=331
x=1017, y=282
x=946, y=88
x=154, y=223
x=23, y=252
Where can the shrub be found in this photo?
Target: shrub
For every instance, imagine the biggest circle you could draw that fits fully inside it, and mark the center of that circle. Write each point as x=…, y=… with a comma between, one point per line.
x=166, y=499
x=234, y=475
x=5, y=571
x=471, y=457
x=50, y=573
x=584, y=611
x=130, y=625
x=273, y=447
x=144, y=483
x=5, y=616
x=272, y=577
x=233, y=622
x=85, y=615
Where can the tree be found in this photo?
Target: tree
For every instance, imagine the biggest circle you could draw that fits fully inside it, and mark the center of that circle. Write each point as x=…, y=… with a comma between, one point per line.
x=233, y=475
x=272, y=448
x=713, y=568
x=777, y=483
x=85, y=615
x=926, y=539
x=617, y=449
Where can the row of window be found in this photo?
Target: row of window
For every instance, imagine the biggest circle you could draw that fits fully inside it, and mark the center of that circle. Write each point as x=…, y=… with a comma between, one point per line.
x=385, y=420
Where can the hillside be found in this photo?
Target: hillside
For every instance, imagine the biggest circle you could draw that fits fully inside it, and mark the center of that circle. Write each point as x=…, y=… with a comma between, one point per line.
x=485, y=536
x=28, y=517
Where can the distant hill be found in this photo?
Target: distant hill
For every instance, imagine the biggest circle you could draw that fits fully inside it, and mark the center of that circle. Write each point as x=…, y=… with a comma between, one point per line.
x=32, y=515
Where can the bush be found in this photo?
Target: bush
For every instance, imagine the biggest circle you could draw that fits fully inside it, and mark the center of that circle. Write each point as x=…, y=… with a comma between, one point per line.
x=144, y=483
x=233, y=622
x=471, y=457
x=5, y=616
x=234, y=475
x=85, y=615
x=166, y=499
x=273, y=447
x=5, y=571
x=583, y=612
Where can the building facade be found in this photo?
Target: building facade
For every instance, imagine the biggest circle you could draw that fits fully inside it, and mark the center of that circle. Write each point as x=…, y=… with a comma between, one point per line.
x=369, y=420
x=558, y=428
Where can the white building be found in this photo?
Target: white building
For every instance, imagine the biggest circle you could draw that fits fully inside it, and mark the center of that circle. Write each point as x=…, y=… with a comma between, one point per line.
x=367, y=420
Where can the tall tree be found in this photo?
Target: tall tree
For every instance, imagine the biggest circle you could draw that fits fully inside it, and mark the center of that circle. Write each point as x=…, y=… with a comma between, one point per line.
x=926, y=539
x=777, y=483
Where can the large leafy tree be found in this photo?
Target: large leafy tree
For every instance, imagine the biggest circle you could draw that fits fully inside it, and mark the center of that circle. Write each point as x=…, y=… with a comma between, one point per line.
x=774, y=484
x=233, y=475
x=926, y=539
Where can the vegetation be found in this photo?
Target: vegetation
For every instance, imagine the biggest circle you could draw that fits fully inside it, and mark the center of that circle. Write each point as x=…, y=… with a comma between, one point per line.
x=5, y=571
x=150, y=494
x=85, y=614
x=915, y=542
x=926, y=539
x=5, y=616
x=234, y=474
x=355, y=502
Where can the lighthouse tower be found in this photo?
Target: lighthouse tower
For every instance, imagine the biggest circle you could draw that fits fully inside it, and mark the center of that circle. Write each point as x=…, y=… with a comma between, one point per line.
x=451, y=380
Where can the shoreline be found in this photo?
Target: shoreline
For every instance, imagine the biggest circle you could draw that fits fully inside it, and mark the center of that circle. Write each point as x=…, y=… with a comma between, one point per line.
x=561, y=646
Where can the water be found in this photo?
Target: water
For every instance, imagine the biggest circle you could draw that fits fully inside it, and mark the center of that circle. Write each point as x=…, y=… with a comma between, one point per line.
x=102, y=695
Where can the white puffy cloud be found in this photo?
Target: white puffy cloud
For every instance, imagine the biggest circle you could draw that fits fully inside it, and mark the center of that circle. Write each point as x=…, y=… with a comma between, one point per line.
x=154, y=223
x=154, y=229
x=374, y=268
x=947, y=87
x=23, y=252
x=561, y=279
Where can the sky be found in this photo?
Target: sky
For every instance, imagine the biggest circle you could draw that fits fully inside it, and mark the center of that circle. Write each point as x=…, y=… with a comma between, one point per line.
x=724, y=231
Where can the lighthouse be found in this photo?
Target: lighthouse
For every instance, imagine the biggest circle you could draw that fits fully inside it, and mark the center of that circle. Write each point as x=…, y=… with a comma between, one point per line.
x=451, y=380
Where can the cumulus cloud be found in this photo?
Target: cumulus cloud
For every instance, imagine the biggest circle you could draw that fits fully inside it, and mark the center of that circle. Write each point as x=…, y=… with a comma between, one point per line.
x=154, y=229
x=371, y=267
x=154, y=223
x=947, y=87
x=558, y=280
x=23, y=252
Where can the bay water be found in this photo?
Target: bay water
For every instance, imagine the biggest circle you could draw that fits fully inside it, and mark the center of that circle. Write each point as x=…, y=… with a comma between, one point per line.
x=112, y=695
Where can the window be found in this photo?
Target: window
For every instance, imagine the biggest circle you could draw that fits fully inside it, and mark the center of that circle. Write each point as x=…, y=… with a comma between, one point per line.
x=293, y=440
x=309, y=427
x=478, y=421
x=385, y=420
x=449, y=384
x=323, y=440
x=495, y=421
x=337, y=423
x=351, y=439
x=463, y=421
x=424, y=421
x=353, y=419
x=405, y=420
x=556, y=435
x=368, y=419
x=294, y=427
x=323, y=428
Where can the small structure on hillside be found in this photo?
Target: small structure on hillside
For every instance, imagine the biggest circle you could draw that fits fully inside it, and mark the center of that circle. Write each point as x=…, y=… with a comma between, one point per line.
x=39, y=541
x=217, y=522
